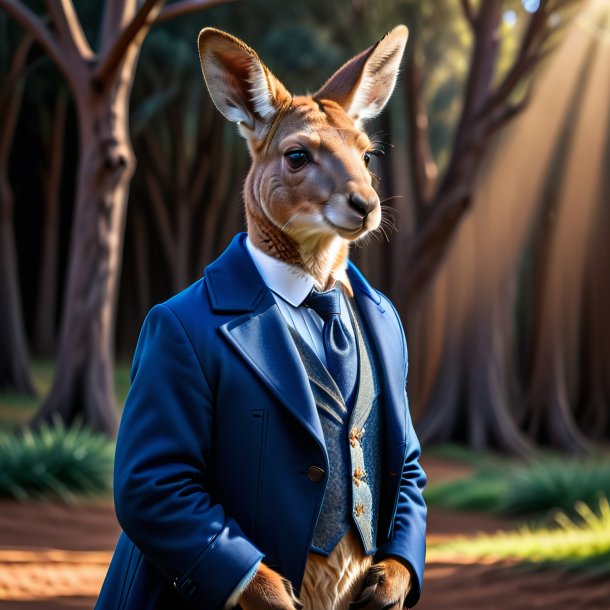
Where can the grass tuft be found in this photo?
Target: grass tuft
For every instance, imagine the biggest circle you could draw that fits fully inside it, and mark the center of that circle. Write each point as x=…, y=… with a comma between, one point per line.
x=536, y=488
x=55, y=461
x=578, y=543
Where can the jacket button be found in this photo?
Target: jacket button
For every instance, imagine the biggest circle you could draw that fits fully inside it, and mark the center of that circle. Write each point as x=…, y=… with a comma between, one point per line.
x=315, y=474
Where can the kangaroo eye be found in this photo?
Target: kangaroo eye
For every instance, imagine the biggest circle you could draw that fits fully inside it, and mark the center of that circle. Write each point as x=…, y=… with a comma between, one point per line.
x=297, y=158
x=378, y=152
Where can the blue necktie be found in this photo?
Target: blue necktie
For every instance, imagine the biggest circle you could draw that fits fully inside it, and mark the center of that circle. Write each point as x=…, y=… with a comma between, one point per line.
x=339, y=344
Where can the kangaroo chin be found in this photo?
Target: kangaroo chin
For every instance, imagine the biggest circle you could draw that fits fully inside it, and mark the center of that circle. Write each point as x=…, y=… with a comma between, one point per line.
x=308, y=195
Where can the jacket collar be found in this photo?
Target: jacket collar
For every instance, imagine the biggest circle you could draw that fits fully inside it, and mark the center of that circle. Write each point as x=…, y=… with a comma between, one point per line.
x=235, y=285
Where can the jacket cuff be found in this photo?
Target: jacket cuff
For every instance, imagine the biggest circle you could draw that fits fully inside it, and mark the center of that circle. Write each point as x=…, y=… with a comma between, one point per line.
x=219, y=570
x=241, y=587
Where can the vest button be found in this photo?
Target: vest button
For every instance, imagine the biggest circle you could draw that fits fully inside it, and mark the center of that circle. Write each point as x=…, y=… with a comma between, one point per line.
x=315, y=474
x=355, y=436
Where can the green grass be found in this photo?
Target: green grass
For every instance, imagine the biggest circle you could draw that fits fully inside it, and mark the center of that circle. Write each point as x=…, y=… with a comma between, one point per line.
x=56, y=462
x=536, y=487
x=581, y=543
x=17, y=409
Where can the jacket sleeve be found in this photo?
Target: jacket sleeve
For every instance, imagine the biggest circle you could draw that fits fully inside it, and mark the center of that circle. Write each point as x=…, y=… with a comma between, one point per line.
x=164, y=448
x=408, y=540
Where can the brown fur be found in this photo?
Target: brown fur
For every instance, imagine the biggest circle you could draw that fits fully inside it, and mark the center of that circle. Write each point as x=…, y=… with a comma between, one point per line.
x=306, y=216
x=333, y=582
x=386, y=585
x=268, y=591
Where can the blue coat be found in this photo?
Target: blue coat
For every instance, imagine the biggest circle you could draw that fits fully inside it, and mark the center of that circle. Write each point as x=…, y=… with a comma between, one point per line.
x=217, y=438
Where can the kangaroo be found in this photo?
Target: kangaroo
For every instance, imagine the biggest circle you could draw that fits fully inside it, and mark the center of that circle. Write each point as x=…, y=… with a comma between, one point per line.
x=308, y=195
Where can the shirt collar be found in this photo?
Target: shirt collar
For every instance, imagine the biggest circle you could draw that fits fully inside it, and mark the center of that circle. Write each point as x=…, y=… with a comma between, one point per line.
x=290, y=282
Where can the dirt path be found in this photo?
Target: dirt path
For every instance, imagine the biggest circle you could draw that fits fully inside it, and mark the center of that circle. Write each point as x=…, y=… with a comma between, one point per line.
x=54, y=557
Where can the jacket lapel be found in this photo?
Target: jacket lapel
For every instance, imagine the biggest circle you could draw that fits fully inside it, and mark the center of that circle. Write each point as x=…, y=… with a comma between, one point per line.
x=265, y=343
x=260, y=335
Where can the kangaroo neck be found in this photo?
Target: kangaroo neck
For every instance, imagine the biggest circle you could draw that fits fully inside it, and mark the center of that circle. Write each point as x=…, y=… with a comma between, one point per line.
x=324, y=258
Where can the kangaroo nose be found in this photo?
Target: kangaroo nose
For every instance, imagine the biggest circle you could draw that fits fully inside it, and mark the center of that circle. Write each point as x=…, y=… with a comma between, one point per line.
x=361, y=205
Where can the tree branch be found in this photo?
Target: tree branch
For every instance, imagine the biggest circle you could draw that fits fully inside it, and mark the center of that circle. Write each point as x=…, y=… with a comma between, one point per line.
x=10, y=100
x=469, y=13
x=152, y=154
x=141, y=21
x=17, y=67
x=431, y=244
x=424, y=168
x=526, y=59
x=506, y=113
x=69, y=26
x=184, y=7
x=160, y=215
x=32, y=24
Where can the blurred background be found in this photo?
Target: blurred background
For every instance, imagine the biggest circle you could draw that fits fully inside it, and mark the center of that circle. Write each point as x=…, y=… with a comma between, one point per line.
x=120, y=182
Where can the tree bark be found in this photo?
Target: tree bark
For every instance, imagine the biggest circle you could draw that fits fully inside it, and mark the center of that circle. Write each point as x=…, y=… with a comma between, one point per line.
x=83, y=384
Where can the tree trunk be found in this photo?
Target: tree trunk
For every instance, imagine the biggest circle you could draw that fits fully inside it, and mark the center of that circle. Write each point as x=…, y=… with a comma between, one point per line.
x=556, y=366
x=594, y=412
x=15, y=371
x=139, y=239
x=470, y=401
x=46, y=313
x=83, y=385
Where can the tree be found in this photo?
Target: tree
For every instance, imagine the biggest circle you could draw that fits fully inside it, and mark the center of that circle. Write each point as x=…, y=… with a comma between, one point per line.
x=441, y=201
x=15, y=369
x=523, y=247
x=187, y=157
x=100, y=83
x=554, y=381
x=53, y=127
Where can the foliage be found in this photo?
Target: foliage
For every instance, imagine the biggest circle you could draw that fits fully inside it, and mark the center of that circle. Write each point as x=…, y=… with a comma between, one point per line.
x=535, y=487
x=580, y=543
x=55, y=461
x=482, y=491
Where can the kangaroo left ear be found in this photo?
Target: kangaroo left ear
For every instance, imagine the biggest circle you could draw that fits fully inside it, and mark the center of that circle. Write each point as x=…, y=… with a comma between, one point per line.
x=241, y=86
x=364, y=84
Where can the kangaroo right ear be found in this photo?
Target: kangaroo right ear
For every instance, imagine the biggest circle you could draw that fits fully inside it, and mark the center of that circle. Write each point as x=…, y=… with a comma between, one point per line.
x=364, y=84
x=241, y=86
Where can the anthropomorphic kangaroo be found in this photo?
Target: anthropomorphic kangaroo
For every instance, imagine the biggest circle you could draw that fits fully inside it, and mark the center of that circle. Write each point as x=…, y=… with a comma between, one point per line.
x=266, y=457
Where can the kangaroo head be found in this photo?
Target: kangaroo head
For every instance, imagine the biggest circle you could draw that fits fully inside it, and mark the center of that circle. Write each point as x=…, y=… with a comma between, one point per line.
x=309, y=192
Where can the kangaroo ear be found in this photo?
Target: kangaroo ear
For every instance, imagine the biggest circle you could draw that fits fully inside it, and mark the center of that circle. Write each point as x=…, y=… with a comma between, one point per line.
x=364, y=84
x=241, y=86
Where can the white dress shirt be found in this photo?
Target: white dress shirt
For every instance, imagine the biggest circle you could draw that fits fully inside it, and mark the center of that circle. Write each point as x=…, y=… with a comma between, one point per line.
x=290, y=286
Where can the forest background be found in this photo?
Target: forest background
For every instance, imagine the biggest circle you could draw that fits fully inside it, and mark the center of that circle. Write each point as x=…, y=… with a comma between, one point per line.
x=495, y=188
x=120, y=182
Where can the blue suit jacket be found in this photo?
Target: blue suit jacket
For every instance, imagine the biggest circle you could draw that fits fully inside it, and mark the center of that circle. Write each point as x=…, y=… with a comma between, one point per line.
x=216, y=439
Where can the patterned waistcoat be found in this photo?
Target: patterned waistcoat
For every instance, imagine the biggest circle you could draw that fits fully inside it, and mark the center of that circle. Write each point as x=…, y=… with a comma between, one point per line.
x=352, y=434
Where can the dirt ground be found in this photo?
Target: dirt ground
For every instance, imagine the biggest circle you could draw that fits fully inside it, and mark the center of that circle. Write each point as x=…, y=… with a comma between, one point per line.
x=54, y=557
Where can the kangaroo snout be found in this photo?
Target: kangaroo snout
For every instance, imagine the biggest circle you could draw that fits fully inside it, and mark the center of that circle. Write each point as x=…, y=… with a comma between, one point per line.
x=363, y=206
